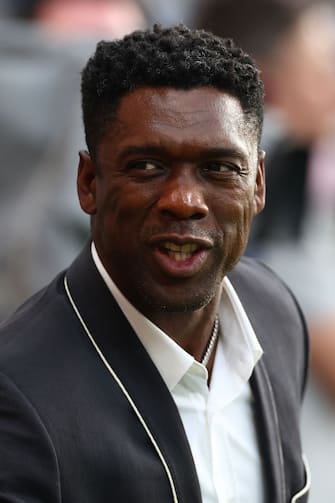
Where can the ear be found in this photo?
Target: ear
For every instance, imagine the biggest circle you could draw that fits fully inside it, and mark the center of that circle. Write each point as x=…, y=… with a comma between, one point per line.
x=86, y=183
x=259, y=195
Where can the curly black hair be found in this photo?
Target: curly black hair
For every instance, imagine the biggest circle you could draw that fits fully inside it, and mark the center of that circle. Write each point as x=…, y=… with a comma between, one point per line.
x=176, y=57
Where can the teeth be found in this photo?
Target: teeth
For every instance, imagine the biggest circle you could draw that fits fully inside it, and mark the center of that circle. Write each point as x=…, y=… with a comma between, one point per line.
x=179, y=257
x=180, y=252
x=187, y=248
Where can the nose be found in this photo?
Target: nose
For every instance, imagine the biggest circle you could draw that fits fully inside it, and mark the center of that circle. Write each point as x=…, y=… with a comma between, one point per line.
x=183, y=198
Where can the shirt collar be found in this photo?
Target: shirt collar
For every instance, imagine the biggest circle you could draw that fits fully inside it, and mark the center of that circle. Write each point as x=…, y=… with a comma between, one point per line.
x=240, y=342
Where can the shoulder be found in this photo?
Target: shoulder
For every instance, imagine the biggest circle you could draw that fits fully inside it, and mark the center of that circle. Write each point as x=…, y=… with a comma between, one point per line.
x=35, y=330
x=265, y=295
x=36, y=309
x=275, y=316
x=28, y=346
x=258, y=284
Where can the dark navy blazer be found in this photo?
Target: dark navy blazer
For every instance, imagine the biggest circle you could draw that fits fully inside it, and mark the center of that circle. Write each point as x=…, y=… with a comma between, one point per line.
x=91, y=421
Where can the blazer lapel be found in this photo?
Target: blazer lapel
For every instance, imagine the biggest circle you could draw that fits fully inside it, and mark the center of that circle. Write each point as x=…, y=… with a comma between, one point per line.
x=133, y=366
x=269, y=434
x=267, y=422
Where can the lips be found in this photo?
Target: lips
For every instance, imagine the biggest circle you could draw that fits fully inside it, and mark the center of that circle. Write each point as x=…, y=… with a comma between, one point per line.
x=179, y=256
x=180, y=252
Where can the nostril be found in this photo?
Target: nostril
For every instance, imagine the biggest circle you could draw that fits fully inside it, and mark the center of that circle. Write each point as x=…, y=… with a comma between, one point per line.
x=194, y=216
x=165, y=213
x=198, y=216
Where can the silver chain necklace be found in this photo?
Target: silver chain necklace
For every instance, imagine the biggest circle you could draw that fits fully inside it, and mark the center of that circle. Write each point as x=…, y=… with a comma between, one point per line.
x=211, y=342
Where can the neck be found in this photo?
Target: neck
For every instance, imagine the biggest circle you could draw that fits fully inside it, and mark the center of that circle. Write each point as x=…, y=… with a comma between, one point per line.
x=192, y=330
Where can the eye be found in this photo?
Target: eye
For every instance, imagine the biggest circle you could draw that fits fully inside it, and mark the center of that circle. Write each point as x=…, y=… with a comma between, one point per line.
x=220, y=167
x=148, y=165
x=145, y=166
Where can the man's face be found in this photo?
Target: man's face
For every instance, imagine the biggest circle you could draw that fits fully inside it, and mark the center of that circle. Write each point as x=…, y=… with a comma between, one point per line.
x=173, y=191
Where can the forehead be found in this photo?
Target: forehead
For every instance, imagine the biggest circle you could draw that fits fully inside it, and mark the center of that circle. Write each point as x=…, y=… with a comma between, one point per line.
x=200, y=116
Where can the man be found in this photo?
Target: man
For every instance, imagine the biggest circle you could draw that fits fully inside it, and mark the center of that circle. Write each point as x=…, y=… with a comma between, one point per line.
x=144, y=373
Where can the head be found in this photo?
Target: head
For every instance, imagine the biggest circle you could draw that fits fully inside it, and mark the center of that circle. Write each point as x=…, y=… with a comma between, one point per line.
x=175, y=57
x=174, y=175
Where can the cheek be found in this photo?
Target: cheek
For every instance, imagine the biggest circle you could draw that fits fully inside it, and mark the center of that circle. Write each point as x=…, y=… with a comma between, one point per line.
x=239, y=223
x=122, y=203
x=234, y=210
x=235, y=223
x=123, y=214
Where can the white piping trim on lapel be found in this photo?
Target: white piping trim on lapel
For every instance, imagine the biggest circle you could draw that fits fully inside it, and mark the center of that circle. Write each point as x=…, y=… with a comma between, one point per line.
x=308, y=481
x=274, y=407
x=124, y=391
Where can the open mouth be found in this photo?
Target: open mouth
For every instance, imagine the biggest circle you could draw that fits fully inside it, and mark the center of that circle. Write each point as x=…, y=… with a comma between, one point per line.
x=179, y=253
x=181, y=256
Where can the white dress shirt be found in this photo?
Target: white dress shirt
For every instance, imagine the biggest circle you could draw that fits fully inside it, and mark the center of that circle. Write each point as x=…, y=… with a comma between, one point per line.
x=218, y=421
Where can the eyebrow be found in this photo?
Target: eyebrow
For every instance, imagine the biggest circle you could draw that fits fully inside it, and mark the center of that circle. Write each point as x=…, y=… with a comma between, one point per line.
x=215, y=152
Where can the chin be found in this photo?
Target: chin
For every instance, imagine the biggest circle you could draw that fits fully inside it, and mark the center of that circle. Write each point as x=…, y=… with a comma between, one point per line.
x=176, y=300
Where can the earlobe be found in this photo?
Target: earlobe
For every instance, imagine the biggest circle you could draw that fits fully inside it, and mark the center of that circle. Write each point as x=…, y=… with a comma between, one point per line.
x=86, y=183
x=259, y=196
